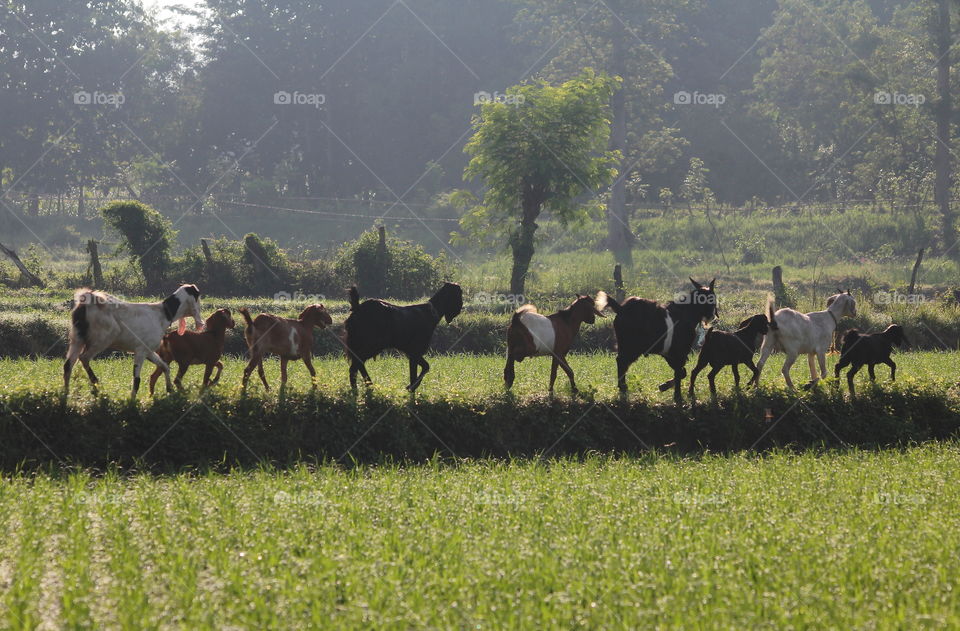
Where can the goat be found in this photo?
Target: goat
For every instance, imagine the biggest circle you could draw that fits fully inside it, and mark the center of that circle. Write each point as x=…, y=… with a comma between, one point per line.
x=798, y=333
x=721, y=348
x=375, y=325
x=287, y=338
x=192, y=348
x=100, y=321
x=642, y=327
x=530, y=334
x=869, y=349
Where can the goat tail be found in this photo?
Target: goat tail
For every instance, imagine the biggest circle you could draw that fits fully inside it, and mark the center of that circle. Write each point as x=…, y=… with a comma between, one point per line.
x=354, y=295
x=773, y=323
x=604, y=300
x=246, y=316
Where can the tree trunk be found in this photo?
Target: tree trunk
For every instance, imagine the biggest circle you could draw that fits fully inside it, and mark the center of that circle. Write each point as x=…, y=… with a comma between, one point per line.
x=95, y=264
x=522, y=245
x=618, y=221
x=32, y=279
x=913, y=275
x=944, y=110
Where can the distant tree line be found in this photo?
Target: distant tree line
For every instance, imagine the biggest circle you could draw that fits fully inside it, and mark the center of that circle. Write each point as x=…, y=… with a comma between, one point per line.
x=776, y=101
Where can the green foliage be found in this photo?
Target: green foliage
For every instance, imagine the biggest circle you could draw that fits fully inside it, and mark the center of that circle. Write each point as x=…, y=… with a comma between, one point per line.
x=396, y=268
x=146, y=235
x=253, y=266
x=547, y=149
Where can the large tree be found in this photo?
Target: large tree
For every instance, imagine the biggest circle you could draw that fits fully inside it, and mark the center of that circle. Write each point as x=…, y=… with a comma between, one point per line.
x=540, y=148
x=625, y=39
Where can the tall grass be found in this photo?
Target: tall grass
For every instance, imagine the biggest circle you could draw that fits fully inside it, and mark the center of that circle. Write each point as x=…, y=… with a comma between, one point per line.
x=852, y=539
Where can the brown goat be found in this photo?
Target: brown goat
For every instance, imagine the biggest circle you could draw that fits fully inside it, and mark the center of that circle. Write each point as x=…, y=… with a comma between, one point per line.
x=289, y=339
x=530, y=334
x=194, y=348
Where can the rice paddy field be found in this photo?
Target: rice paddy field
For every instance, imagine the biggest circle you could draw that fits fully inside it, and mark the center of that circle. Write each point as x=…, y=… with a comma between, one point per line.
x=621, y=513
x=849, y=539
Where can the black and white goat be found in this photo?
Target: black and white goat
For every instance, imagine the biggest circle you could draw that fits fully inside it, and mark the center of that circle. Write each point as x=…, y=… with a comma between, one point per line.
x=869, y=349
x=375, y=325
x=722, y=348
x=643, y=327
x=100, y=322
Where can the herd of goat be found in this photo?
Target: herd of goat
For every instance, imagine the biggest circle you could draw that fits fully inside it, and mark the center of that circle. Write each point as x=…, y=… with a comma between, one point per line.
x=101, y=322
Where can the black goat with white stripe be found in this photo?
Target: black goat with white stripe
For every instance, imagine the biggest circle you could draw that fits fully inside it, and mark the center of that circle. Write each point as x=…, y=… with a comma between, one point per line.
x=643, y=327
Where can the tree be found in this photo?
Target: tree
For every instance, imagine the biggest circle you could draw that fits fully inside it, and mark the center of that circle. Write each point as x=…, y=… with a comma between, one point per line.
x=540, y=148
x=624, y=39
x=146, y=236
x=944, y=112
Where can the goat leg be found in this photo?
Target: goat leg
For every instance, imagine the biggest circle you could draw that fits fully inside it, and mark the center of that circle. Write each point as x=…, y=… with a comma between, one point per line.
x=509, y=374
x=567, y=369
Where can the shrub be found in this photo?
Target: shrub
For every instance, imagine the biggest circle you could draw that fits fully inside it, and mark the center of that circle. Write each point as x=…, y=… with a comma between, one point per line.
x=390, y=267
x=238, y=268
x=146, y=235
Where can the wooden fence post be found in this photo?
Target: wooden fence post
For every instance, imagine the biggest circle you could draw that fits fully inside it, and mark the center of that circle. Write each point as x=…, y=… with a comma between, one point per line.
x=95, y=264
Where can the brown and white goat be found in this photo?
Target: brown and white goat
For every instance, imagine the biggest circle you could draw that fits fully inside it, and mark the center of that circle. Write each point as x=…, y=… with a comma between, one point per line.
x=193, y=348
x=531, y=334
x=287, y=338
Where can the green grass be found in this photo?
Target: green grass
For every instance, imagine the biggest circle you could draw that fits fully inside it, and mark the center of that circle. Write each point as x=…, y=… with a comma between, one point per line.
x=464, y=377
x=839, y=540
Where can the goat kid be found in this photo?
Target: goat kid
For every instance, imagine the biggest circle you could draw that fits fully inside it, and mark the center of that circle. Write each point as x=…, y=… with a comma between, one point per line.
x=192, y=348
x=869, y=349
x=284, y=337
x=373, y=326
x=809, y=334
x=643, y=327
x=721, y=348
x=99, y=322
x=531, y=334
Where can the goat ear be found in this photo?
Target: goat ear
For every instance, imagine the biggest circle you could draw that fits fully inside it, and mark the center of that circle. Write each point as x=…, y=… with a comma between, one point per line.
x=712, y=282
x=696, y=285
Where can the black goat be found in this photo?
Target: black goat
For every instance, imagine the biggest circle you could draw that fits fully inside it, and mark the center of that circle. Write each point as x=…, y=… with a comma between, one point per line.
x=869, y=349
x=643, y=327
x=722, y=348
x=374, y=326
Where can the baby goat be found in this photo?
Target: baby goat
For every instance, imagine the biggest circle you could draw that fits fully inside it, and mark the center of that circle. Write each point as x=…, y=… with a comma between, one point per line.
x=192, y=348
x=290, y=339
x=721, y=348
x=869, y=349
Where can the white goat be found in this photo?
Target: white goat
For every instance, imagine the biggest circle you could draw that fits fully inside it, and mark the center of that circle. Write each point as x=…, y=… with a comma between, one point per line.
x=798, y=333
x=100, y=322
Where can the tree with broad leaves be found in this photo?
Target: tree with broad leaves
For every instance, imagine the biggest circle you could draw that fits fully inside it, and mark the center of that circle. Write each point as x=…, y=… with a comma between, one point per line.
x=541, y=148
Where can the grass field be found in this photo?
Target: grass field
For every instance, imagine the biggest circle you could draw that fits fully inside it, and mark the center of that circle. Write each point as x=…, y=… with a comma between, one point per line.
x=838, y=540
x=473, y=377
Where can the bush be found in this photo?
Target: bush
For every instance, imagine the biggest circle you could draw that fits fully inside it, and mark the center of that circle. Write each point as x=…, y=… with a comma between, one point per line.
x=238, y=268
x=390, y=268
x=146, y=235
